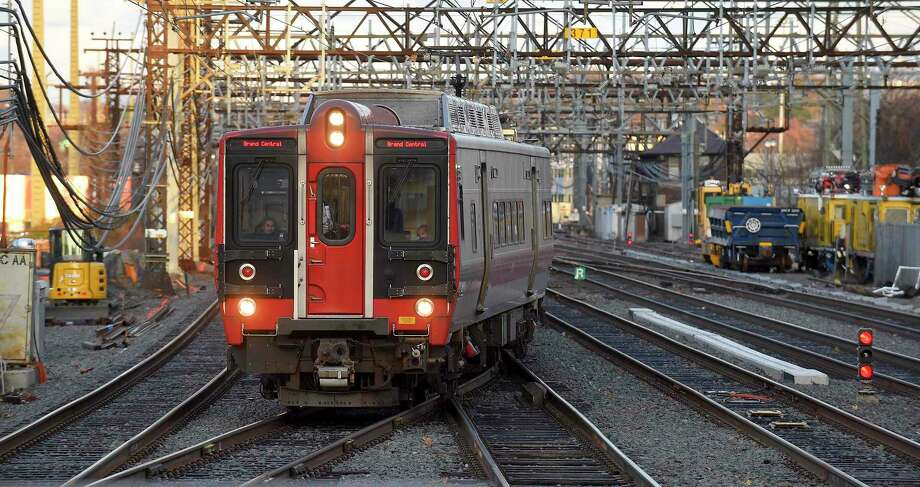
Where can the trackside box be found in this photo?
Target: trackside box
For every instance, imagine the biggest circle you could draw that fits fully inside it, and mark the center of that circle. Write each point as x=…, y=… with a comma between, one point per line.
x=16, y=288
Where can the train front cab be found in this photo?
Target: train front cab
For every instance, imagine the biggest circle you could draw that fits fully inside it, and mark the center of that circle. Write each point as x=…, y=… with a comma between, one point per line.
x=338, y=265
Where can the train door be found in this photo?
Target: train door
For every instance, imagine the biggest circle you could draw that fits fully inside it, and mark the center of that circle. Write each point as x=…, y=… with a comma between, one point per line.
x=535, y=233
x=488, y=251
x=335, y=240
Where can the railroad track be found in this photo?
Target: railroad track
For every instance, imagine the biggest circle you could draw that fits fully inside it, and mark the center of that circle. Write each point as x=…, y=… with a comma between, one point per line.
x=836, y=446
x=100, y=431
x=266, y=446
x=880, y=317
x=288, y=446
x=829, y=353
x=545, y=441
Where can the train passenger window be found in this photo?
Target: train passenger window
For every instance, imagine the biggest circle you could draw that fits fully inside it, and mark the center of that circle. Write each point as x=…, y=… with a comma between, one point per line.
x=335, y=206
x=410, y=204
x=499, y=224
x=474, y=227
x=512, y=222
x=263, y=193
x=522, y=235
x=510, y=237
x=896, y=215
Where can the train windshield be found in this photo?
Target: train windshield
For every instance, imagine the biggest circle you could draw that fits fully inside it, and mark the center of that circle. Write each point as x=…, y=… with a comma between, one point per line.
x=263, y=193
x=410, y=210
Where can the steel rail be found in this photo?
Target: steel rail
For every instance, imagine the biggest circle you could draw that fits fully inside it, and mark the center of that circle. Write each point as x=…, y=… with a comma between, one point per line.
x=199, y=451
x=808, y=302
x=78, y=407
x=558, y=407
x=802, y=300
x=770, y=295
x=802, y=355
x=364, y=437
x=489, y=466
x=704, y=404
x=905, y=446
x=888, y=356
x=584, y=426
x=160, y=428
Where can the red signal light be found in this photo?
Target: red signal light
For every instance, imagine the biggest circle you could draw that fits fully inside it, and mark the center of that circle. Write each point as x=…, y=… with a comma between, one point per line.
x=247, y=271
x=865, y=337
x=865, y=372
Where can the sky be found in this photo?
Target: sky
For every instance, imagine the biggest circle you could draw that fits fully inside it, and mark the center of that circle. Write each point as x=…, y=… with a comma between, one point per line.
x=97, y=18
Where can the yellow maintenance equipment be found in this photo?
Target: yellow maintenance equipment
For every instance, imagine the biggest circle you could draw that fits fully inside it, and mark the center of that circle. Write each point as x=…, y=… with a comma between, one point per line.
x=78, y=284
x=712, y=192
x=77, y=273
x=840, y=228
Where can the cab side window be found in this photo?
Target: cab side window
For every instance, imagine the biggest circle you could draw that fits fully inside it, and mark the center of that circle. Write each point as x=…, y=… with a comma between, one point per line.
x=263, y=191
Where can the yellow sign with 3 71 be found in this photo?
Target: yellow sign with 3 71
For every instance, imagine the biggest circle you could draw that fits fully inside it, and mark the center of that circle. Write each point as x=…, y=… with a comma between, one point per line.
x=581, y=33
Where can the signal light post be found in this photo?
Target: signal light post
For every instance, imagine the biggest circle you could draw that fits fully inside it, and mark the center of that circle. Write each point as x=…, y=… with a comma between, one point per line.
x=864, y=369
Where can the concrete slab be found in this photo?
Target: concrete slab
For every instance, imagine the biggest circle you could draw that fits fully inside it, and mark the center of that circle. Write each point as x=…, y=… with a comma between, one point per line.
x=18, y=378
x=771, y=366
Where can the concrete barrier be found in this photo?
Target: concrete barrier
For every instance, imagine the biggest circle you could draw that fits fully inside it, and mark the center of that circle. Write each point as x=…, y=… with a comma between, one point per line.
x=772, y=367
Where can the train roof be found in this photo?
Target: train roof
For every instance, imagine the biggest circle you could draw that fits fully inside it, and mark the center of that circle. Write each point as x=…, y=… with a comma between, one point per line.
x=860, y=197
x=426, y=109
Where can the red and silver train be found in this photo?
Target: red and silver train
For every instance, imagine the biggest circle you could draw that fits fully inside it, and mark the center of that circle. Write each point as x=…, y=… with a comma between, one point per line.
x=389, y=243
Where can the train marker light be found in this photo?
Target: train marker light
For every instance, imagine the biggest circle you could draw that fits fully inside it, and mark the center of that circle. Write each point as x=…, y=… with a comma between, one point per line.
x=424, y=307
x=424, y=272
x=247, y=307
x=247, y=272
x=336, y=118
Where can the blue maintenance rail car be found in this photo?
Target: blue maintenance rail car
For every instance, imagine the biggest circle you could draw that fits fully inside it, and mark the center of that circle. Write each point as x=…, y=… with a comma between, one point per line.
x=746, y=237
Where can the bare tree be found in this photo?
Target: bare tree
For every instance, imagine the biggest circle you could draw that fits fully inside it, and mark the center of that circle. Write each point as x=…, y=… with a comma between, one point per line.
x=899, y=128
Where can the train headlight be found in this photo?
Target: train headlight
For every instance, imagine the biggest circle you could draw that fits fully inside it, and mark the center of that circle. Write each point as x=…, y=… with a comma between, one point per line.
x=424, y=307
x=247, y=307
x=336, y=118
x=336, y=138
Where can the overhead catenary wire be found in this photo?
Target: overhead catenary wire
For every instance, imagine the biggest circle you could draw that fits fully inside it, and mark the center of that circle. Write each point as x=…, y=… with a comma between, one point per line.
x=54, y=69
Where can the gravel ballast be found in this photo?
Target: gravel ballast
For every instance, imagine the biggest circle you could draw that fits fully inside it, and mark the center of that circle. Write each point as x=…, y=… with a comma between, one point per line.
x=813, y=321
x=426, y=453
x=240, y=405
x=671, y=441
x=897, y=413
x=74, y=370
x=800, y=281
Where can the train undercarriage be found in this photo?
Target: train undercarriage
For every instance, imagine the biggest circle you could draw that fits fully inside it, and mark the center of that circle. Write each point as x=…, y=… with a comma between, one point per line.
x=311, y=363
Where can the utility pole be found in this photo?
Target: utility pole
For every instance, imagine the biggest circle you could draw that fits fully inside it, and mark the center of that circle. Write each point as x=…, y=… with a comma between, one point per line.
x=36, y=183
x=687, y=164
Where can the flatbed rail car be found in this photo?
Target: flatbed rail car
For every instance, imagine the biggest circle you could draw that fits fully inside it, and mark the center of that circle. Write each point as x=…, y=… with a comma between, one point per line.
x=840, y=229
x=388, y=243
x=746, y=237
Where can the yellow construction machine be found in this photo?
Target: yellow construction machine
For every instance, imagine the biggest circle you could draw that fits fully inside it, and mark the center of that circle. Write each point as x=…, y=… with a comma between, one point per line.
x=78, y=285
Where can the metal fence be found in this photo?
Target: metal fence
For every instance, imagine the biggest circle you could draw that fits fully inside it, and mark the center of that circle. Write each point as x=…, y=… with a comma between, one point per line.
x=896, y=244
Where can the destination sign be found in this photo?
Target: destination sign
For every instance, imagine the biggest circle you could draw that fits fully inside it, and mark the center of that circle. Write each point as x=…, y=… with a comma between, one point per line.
x=273, y=145
x=412, y=145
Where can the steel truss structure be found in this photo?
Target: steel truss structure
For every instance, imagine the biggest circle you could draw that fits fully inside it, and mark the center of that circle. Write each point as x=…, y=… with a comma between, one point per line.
x=585, y=78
